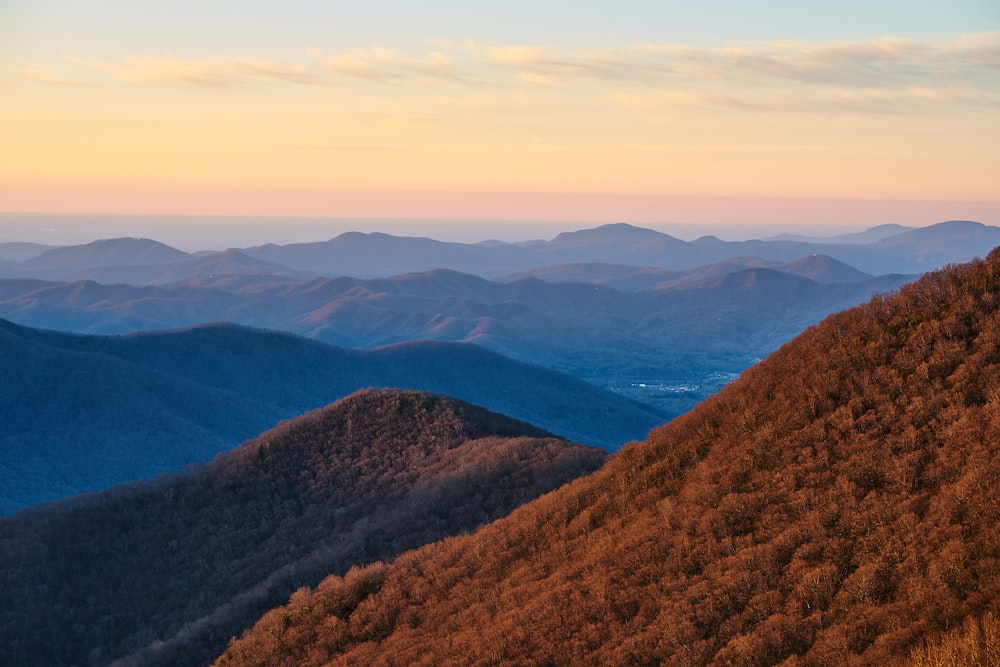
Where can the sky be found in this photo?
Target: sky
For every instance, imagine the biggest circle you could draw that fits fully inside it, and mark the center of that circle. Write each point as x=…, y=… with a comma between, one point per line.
x=658, y=113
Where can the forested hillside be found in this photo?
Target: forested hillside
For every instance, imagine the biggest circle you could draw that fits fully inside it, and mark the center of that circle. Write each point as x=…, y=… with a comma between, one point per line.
x=837, y=505
x=165, y=572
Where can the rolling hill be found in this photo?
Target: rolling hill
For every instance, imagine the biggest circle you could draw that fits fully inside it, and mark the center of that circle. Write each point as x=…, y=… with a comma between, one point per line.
x=82, y=413
x=166, y=571
x=839, y=504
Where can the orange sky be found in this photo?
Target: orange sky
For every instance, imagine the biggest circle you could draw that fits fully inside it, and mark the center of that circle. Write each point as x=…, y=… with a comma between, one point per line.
x=639, y=131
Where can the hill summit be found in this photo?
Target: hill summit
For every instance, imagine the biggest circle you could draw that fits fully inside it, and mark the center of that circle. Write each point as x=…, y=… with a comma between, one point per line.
x=165, y=572
x=838, y=505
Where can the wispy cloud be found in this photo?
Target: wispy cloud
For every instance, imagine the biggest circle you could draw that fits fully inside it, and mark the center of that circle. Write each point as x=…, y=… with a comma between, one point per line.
x=41, y=76
x=384, y=65
x=903, y=102
x=881, y=76
x=212, y=72
x=875, y=63
x=558, y=65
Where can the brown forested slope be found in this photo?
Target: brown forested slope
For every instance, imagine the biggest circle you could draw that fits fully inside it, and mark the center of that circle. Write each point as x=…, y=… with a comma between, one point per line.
x=166, y=572
x=837, y=505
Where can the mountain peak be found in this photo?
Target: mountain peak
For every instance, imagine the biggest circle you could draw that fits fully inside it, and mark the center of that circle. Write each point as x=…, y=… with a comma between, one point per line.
x=382, y=418
x=951, y=230
x=122, y=251
x=825, y=269
x=619, y=231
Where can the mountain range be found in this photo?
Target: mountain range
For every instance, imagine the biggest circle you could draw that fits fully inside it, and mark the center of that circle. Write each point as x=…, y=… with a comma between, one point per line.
x=165, y=572
x=629, y=309
x=669, y=345
x=836, y=503
x=839, y=504
x=821, y=268
x=886, y=249
x=82, y=413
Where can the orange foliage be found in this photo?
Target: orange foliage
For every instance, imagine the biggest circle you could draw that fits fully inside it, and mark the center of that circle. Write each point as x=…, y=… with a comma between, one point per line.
x=837, y=505
x=973, y=644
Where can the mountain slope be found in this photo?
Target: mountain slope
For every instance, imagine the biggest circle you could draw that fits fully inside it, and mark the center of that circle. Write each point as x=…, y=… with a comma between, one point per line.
x=836, y=505
x=82, y=413
x=165, y=572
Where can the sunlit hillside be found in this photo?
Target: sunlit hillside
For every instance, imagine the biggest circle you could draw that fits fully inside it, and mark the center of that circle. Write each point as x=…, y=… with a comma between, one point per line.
x=837, y=505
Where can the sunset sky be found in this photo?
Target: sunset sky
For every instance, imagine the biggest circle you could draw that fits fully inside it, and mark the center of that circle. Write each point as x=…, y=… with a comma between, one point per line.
x=641, y=111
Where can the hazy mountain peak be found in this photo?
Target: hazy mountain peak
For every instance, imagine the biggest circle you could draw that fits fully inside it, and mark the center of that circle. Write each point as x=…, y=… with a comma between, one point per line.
x=379, y=237
x=825, y=269
x=618, y=231
x=123, y=251
x=765, y=282
x=950, y=229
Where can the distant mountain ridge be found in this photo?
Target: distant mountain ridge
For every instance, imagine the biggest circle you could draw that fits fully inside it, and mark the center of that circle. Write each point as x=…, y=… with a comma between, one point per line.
x=880, y=250
x=166, y=571
x=82, y=413
x=821, y=268
x=374, y=254
x=870, y=235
